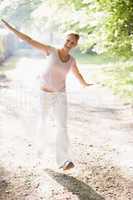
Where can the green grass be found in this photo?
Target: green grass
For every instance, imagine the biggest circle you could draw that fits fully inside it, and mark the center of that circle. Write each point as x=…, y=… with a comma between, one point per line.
x=115, y=74
x=84, y=58
x=119, y=77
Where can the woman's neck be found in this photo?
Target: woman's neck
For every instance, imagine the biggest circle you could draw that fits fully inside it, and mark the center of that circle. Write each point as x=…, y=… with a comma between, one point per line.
x=64, y=51
x=64, y=54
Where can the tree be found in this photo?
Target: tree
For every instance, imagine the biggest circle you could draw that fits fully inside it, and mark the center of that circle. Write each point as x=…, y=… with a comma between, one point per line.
x=118, y=26
x=18, y=12
x=105, y=26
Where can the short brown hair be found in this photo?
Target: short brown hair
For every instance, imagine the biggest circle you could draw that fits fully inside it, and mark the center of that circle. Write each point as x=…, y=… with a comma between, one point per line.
x=75, y=35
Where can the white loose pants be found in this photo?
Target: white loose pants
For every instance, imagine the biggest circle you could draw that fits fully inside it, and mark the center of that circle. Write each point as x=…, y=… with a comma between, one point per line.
x=57, y=101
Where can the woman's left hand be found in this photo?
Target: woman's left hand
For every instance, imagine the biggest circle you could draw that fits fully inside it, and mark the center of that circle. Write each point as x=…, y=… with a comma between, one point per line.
x=88, y=84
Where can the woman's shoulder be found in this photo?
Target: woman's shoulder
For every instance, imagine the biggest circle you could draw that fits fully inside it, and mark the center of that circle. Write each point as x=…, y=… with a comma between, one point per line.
x=51, y=49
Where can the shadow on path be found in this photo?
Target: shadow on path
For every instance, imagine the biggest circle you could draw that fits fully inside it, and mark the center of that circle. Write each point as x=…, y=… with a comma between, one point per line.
x=3, y=182
x=77, y=187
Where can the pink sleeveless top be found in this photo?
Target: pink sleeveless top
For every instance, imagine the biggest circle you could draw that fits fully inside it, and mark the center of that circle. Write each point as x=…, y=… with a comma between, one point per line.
x=54, y=76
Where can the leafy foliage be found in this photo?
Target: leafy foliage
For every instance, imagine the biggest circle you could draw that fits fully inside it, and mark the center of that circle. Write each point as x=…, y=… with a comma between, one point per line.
x=105, y=26
x=19, y=12
x=118, y=26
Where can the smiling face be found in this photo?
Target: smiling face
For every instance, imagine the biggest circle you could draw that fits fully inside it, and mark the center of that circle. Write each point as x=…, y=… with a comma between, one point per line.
x=71, y=41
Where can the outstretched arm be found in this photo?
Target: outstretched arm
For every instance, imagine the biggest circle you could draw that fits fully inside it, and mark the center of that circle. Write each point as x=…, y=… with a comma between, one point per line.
x=27, y=39
x=78, y=75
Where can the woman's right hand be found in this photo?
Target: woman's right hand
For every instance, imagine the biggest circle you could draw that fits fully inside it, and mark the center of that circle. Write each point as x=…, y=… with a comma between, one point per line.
x=7, y=25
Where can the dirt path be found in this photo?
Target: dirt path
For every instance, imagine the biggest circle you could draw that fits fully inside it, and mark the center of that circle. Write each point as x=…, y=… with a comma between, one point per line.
x=101, y=130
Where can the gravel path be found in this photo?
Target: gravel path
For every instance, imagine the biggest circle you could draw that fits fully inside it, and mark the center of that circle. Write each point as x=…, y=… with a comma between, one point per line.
x=100, y=127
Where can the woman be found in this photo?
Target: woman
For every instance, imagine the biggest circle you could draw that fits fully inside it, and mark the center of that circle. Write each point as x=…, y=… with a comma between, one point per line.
x=52, y=88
